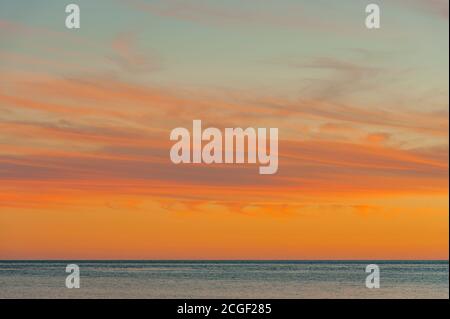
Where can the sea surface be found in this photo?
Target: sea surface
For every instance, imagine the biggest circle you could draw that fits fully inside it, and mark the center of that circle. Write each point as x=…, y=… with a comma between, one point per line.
x=224, y=279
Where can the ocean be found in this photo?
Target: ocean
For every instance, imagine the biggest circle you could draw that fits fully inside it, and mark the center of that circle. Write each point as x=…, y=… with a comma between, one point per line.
x=224, y=279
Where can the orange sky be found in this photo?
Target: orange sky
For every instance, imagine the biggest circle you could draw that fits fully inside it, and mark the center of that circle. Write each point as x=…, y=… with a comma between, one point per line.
x=85, y=120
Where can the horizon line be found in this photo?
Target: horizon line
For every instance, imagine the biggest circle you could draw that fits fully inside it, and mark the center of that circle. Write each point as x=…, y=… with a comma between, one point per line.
x=219, y=260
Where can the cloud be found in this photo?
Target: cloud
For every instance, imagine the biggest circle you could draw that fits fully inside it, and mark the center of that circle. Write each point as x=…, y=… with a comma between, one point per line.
x=11, y=30
x=377, y=138
x=314, y=167
x=207, y=12
x=346, y=77
x=436, y=7
x=107, y=134
x=249, y=13
x=101, y=100
x=130, y=58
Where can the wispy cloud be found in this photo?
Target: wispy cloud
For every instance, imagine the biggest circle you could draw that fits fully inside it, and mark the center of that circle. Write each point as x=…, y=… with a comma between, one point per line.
x=249, y=13
x=132, y=59
x=439, y=8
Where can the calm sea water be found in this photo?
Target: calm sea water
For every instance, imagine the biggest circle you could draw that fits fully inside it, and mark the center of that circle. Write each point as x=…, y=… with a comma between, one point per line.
x=224, y=279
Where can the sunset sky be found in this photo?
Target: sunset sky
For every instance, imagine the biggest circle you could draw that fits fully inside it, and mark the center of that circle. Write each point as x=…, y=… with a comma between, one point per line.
x=85, y=119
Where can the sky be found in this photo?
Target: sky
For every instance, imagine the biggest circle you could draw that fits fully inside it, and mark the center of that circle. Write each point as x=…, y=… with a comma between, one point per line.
x=86, y=115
